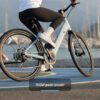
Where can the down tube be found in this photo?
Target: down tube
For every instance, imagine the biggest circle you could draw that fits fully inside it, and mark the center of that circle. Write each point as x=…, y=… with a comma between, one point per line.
x=65, y=28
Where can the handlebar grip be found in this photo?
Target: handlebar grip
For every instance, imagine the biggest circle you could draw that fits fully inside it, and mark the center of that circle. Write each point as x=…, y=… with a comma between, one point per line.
x=73, y=1
x=61, y=11
x=73, y=4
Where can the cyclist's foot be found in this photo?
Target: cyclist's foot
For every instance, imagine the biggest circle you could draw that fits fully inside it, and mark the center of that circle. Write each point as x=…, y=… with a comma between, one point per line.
x=13, y=40
x=46, y=36
x=45, y=68
x=49, y=68
x=5, y=57
x=46, y=39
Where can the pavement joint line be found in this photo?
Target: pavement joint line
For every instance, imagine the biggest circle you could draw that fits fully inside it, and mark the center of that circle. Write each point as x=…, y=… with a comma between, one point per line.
x=86, y=82
x=14, y=87
x=27, y=82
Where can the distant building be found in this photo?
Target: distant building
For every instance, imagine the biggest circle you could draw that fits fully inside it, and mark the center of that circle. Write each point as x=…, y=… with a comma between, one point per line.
x=82, y=17
x=95, y=30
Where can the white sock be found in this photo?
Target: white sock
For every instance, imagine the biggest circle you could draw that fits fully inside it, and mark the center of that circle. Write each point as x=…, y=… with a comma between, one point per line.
x=49, y=31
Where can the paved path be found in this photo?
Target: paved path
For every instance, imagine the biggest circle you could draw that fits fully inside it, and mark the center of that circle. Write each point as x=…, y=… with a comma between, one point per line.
x=82, y=88
x=60, y=78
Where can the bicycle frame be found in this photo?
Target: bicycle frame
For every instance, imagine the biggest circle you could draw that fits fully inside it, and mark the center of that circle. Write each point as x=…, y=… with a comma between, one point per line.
x=65, y=28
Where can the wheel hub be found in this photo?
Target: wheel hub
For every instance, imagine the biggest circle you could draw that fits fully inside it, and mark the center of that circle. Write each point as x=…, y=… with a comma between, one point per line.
x=19, y=55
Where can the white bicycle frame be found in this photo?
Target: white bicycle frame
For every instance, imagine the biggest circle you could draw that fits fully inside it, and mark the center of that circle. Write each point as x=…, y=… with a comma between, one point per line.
x=65, y=28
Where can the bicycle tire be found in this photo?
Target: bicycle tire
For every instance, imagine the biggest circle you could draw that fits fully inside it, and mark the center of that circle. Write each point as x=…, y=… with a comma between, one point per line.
x=3, y=42
x=81, y=66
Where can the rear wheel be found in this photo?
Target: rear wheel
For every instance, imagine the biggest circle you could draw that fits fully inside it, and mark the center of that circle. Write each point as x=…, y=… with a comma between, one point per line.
x=13, y=61
x=80, y=54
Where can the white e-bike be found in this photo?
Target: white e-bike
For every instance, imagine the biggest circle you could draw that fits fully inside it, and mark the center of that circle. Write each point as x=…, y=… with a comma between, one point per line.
x=27, y=54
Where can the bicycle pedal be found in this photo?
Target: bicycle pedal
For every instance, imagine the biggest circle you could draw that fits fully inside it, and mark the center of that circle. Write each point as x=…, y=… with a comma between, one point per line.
x=48, y=70
x=48, y=46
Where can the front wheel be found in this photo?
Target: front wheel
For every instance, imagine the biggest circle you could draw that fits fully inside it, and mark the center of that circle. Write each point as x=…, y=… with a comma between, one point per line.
x=13, y=61
x=80, y=54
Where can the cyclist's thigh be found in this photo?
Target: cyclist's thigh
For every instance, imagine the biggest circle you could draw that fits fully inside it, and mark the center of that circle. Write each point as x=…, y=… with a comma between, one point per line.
x=45, y=15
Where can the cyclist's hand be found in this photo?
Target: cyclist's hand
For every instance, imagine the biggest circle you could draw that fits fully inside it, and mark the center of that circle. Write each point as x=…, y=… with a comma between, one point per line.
x=73, y=2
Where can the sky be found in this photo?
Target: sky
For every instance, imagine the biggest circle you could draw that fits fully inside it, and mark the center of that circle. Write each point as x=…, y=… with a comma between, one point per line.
x=84, y=15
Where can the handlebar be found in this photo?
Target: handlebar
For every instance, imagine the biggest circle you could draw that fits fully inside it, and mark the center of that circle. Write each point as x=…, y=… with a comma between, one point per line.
x=71, y=5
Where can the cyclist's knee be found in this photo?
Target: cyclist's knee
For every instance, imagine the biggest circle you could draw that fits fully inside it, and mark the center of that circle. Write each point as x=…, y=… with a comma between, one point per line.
x=60, y=16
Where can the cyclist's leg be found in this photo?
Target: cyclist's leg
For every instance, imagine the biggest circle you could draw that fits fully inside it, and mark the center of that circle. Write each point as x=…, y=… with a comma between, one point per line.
x=4, y=57
x=30, y=22
x=48, y=15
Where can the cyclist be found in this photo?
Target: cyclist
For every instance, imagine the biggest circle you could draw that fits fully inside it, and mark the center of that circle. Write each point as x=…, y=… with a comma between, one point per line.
x=30, y=12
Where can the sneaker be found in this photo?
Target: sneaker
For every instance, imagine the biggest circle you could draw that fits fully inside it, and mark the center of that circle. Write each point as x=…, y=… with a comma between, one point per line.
x=45, y=68
x=45, y=38
x=5, y=57
x=13, y=40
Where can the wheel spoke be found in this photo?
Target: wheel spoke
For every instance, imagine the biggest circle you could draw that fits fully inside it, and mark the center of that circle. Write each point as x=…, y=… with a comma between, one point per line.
x=17, y=61
x=81, y=55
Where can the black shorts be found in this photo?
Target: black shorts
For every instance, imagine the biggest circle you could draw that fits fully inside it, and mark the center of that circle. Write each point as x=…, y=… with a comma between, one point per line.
x=40, y=14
